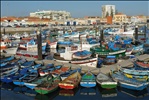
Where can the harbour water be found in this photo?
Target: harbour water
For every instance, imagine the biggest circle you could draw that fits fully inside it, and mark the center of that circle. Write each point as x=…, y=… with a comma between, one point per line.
x=12, y=92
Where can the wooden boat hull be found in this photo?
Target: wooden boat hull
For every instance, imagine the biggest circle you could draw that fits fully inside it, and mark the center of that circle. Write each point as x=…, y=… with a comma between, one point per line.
x=3, y=47
x=107, y=85
x=92, y=62
x=66, y=86
x=71, y=81
x=88, y=84
x=104, y=52
x=128, y=83
x=10, y=79
x=135, y=72
x=79, y=57
x=137, y=49
x=139, y=78
x=45, y=91
x=105, y=81
x=133, y=87
x=18, y=83
x=141, y=64
x=88, y=80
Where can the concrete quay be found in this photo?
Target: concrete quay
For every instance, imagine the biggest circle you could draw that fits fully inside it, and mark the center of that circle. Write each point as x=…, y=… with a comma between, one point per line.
x=20, y=29
x=29, y=29
x=104, y=69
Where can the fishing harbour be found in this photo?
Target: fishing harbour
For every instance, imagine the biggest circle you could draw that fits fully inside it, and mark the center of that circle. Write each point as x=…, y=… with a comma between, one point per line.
x=79, y=65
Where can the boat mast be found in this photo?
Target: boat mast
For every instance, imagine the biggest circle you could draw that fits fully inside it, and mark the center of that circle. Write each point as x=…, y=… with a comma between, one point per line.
x=80, y=42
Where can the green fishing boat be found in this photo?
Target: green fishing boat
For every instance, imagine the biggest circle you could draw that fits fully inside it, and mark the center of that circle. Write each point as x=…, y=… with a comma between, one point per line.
x=105, y=51
x=48, y=86
x=88, y=80
x=105, y=82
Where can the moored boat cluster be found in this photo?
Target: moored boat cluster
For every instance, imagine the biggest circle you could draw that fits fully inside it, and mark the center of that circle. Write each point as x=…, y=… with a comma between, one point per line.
x=45, y=79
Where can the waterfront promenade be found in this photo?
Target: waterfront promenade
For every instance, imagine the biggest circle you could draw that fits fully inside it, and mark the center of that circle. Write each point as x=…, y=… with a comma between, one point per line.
x=104, y=69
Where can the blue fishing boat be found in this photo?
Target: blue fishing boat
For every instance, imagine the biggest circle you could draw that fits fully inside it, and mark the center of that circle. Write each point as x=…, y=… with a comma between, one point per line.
x=133, y=71
x=9, y=71
x=100, y=62
x=9, y=79
x=7, y=67
x=64, y=43
x=36, y=82
x=81, y=54
x=21, y=61
x=142, y=64
x=45, y=70
x=3, y=64
x=7, y=59
x=127, y=82
x=109, y=60
x=28, y=77
x=88, y=80
x=27, y=64
x=138, y=48
x=34, y=68
x=15, y=76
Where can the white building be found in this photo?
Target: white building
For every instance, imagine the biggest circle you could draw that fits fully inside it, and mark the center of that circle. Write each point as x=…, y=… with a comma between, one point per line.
x=54, y=15
x=108, y=10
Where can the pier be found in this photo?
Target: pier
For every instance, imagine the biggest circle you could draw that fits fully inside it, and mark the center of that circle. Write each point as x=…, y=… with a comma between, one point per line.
x=104, y=69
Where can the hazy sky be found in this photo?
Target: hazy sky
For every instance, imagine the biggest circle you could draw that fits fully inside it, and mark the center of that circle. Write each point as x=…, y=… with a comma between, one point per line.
x=76, y=8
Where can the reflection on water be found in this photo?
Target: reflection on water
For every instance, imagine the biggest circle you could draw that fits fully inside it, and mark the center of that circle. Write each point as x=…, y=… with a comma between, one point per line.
x=133, y=93
x=107, y=92
x=63, y=92
x=49, y=96
x=79, y=93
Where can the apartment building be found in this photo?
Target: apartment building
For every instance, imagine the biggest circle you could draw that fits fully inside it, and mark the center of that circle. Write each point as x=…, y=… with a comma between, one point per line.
x=108, y=10
x=51, y=14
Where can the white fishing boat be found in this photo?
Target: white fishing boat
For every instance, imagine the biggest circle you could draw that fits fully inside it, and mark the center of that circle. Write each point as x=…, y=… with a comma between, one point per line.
x=121, y=32
x=16, y=35
x=53, y=45
x=5, y=43
x=75, y=56
x=86, y=45
x=11, y=50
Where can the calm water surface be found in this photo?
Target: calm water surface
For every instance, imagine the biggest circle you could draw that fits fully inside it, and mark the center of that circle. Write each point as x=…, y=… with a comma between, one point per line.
x=13, y=92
